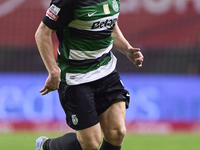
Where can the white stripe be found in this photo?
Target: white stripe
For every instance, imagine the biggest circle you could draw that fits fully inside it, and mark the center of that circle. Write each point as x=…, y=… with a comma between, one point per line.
x=87, y=25
x=82, y=55
x=75, y=79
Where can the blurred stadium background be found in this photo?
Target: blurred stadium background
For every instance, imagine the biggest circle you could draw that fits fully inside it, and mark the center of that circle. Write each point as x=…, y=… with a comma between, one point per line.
x=165, y=95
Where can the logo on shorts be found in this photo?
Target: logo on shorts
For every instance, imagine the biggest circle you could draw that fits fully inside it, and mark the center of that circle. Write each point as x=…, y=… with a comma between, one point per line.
x=127, y=94
x=115, y=5
x=74, y=119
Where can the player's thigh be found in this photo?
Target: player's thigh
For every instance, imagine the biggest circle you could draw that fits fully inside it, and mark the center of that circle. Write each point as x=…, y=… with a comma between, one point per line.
x=90, y=138
x=79, y=105
x=113, y=122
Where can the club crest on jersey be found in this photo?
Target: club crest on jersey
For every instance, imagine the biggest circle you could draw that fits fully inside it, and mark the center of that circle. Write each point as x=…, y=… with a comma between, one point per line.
x=106, y=9
x=115, y=6
x=74, y=119
x=52, y=12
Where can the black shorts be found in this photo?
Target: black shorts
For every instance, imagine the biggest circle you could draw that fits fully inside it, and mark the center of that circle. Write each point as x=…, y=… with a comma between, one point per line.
x=85, y=102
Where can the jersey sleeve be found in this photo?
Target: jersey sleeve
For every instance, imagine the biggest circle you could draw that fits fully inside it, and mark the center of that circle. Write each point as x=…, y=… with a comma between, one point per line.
x=59, y=14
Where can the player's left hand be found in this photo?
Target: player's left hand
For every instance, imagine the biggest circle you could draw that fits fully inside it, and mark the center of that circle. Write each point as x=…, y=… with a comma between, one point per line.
x=135, y=56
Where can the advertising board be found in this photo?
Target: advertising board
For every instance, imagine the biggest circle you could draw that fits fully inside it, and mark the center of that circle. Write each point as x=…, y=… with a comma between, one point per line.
x=153, y=98
x=145, y=23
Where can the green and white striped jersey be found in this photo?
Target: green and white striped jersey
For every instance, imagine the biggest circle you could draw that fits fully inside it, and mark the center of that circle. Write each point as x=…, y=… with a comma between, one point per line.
x=84, y=29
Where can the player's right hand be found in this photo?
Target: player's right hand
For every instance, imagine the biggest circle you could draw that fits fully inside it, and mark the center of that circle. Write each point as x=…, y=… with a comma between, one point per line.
x=52, y=83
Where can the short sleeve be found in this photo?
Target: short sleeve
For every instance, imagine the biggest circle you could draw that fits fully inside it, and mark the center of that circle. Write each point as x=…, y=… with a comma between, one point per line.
x=59, y=14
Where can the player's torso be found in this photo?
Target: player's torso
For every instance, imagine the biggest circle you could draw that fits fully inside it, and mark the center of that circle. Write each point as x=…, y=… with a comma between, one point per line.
x=85, y=54
x=91, y=28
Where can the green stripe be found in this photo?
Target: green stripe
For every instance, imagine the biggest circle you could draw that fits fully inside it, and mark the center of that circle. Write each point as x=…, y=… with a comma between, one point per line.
x=82, y=14
x=90, y=45
x=65, y=45
x=64, y=52
x=66, y=68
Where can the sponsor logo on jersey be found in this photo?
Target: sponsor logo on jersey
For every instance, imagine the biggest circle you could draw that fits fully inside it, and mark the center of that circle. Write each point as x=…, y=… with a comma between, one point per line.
x=52, y=12
x=109, y=23
x=106, y=9
x=72, y=77
x=115, y=6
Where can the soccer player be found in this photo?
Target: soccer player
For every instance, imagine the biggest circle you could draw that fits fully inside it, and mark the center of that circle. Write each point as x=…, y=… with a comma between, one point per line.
x=90, y=90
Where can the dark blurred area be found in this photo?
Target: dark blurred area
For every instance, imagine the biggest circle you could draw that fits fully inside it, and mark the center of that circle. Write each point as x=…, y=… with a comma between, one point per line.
x=156, y=61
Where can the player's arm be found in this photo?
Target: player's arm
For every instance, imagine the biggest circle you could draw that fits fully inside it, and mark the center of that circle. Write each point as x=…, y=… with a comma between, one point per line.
x=43, y=37
x=121, y=44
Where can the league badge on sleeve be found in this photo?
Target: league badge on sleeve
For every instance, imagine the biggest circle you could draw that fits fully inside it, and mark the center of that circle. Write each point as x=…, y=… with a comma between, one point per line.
x=52, y=12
